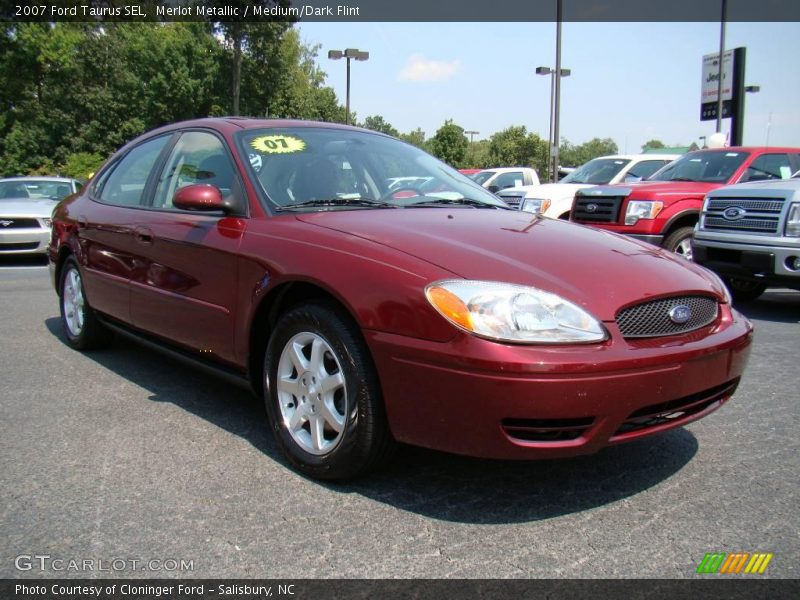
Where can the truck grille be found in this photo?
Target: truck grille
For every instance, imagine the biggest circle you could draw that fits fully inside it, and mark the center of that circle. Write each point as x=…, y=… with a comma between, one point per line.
x=512, y=199
x=18, y=223
x=597, y=210
x=755, y=215
x=652, y=319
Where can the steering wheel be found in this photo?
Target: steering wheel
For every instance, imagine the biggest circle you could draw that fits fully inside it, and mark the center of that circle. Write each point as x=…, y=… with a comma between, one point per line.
x=403, y=188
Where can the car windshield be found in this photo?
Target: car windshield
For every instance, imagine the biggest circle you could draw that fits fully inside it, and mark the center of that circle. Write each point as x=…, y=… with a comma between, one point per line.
x=320, y=168
x=597, y=171
x=708, y=166
x=35, y=189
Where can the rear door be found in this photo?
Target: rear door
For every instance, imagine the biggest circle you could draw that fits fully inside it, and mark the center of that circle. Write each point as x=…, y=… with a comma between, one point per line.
x=184, y=288
x=107, y=226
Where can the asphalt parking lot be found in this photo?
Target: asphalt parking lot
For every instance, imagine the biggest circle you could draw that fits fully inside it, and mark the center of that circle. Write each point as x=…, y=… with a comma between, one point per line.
x=125, y=454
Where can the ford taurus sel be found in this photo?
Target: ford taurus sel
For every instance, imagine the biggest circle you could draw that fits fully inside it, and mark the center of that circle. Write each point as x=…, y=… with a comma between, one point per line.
x=285, y=255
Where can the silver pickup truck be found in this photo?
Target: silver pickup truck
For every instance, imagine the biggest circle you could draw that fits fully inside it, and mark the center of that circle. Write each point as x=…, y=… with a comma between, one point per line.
x=750, y=235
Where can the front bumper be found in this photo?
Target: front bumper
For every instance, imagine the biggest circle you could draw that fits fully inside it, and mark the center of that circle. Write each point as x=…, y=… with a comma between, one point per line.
x=24, y=241
x=766, y=264
x=478, y=398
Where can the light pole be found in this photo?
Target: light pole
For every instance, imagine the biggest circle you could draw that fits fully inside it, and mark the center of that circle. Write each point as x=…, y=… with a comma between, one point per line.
x=552, y=151
x=348, y=54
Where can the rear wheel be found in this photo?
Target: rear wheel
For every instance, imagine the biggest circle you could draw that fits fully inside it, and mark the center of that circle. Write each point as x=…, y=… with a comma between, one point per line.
x=83, y=329
x=680, y=242
x=322, y=394
x=744, y=289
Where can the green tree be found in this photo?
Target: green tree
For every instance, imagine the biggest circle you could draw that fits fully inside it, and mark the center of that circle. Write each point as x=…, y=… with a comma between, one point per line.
x=81, y=165
x=245, y=40
x=478, y=155
x=450, y=144
x=415, y=137
x=573, y=156
x=515, y=147
x=653, y=144
x=377, y=123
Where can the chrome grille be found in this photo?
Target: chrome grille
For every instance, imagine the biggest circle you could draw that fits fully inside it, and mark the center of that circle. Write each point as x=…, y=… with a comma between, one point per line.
x=513, y=200
x=759, y=215
x=652, y=319
x=757, y=225
x=772, y=205
x=18, y=223
x=600, y=209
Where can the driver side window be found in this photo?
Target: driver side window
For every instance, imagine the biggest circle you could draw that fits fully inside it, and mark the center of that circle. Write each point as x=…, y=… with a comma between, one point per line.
x=197, y=157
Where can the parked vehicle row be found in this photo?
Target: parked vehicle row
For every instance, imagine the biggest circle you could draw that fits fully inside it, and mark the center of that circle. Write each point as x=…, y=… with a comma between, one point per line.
x=365, y=311
x=665, y=209
x=555, y=199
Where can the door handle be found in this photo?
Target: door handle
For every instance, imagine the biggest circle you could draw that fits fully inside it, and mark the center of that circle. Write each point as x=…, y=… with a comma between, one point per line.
x=143, y=235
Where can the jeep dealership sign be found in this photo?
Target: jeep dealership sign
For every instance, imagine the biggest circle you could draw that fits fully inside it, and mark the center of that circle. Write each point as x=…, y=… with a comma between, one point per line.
x=708, y=87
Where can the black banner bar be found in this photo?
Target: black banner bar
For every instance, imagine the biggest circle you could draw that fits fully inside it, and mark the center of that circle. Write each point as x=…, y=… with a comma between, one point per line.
x=398, y=11
x=705, y=587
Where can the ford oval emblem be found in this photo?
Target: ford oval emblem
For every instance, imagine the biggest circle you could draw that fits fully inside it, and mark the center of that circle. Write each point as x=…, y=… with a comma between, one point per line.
x=591, y=207
x=680, y=314
x=734, y=213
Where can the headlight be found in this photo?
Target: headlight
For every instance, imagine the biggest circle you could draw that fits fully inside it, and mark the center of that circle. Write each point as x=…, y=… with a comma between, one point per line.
x=513, y=313
x=47, y=222
x=793, y=221
x=535, y=205
x=640, y=209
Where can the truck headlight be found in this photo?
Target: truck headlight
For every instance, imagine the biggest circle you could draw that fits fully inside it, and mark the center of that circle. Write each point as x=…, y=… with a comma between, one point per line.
x=642, y=209
x=505, y=312
x=48, y=223
x=793, y=221
x=535, y=205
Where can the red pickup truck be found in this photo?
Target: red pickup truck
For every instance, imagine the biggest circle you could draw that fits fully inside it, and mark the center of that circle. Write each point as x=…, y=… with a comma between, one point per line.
x=664, y=209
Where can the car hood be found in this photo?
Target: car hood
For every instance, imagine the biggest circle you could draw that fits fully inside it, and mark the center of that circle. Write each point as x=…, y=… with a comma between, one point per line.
x=25, y=207
x=652, y=188
x=548, y=190
x=598, y=270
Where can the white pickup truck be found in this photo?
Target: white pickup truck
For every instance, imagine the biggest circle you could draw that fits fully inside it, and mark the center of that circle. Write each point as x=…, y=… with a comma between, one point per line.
x=501, y=178
x=555, y=199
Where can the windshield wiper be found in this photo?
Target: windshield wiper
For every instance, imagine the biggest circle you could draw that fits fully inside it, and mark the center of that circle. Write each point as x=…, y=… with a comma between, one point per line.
x=461, y=201
x=337, y=202
x=683, y=179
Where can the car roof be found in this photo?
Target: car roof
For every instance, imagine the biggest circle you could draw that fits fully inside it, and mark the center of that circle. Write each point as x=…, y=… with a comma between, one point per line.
x=236, y=123
x=648, y=156
x=36, y=178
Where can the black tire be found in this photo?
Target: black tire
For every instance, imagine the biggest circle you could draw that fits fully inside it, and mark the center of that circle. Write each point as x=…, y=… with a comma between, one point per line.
x=91, y=333
x=364, y=440
x=744, y=290
x=677, y=242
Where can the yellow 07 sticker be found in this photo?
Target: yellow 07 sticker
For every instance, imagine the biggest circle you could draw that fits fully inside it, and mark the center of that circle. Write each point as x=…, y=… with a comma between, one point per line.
x=278, y=144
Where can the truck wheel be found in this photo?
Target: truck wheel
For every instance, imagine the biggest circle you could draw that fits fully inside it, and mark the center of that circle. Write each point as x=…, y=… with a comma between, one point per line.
x=680, y=242
x=744, y=289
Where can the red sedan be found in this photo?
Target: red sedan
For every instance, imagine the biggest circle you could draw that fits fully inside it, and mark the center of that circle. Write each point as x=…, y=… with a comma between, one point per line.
x=282, y=255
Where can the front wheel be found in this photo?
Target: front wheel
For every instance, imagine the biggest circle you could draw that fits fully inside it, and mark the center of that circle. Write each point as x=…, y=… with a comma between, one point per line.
x=322, y=395
x=83, y=329
x=743, y=289
x=680, y=242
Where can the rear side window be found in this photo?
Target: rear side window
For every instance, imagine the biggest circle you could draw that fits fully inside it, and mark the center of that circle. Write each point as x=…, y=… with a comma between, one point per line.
x=506, y=180
x=125, y=183
x=768, y=166
x=646, y=168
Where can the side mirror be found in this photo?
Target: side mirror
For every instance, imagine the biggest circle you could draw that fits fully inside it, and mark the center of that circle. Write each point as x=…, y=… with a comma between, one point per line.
x=199, y=197
x=494, y=188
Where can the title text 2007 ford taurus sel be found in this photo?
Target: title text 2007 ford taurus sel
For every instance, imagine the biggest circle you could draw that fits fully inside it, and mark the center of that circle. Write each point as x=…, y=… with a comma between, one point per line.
x=366, y=313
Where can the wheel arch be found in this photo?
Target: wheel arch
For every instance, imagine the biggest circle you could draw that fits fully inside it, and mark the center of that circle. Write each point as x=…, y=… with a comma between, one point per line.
x=687, y=218
x=277, y=301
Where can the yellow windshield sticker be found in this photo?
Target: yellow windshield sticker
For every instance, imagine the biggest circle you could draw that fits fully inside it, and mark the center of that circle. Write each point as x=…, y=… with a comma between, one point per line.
x=278, y=144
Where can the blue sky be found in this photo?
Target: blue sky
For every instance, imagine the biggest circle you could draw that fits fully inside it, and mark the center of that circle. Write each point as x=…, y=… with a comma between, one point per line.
x=630, y=81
